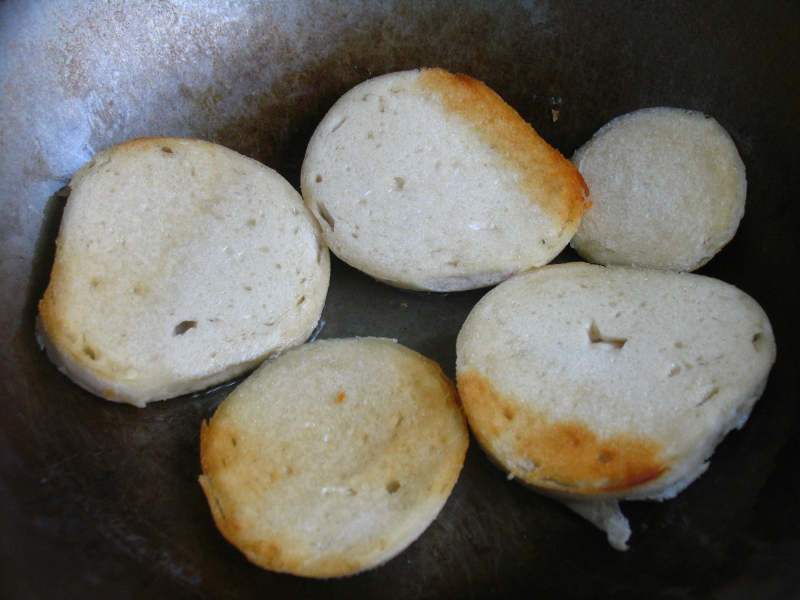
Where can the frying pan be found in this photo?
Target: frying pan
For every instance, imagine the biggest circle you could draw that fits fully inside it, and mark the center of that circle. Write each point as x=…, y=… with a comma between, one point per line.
x=100, y=500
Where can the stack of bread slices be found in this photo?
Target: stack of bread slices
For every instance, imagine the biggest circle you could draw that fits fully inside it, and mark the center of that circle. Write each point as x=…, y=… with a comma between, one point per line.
x=181, y=264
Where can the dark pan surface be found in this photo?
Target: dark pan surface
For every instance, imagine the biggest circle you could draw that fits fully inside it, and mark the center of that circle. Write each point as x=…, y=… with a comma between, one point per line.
x=99, y=500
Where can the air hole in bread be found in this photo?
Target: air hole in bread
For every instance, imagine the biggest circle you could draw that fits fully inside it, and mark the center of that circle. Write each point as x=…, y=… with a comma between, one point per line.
x=183, y=327
x=95, y=281
x=251, y=222
x=393, y=486
x=247, y=288
x=338, y=124
x=326, y=216
x=90, y=352
x=758, y=341
x=595, y=337
x=605, y=456
x=166, y=149
x=708, y=395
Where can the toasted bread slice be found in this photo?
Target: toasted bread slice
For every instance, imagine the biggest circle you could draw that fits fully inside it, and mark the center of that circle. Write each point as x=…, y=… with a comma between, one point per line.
x=333, y=457
x=430, y=181
x=667, y=187
x=179, y=264
x=600, y=383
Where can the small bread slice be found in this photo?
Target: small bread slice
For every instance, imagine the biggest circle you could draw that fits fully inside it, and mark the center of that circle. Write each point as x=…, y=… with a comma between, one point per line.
x=428, y=180
x=595, y=384
x=667, y=187
x=179, y=264
x=333, y=457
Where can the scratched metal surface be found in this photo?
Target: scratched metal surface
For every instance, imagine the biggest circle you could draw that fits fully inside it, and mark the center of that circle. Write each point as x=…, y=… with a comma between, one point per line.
x=99, y=500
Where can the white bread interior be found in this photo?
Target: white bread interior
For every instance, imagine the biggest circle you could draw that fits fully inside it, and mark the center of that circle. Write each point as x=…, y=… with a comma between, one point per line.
x=606, y=383
x=333, y=457
x=667, y=188
x=430, y=181
x=179, y=264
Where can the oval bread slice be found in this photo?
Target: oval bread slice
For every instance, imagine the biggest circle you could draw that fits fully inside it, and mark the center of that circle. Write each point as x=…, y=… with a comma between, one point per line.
x=667, y=187
x=179, y=264
x=430, y=181
x=333, y=457
x=605, y=383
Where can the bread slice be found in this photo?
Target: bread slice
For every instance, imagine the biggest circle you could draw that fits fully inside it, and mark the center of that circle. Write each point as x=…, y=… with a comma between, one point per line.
x=334, y=457
x=430, y=181
x=667, y=187
x=179, y=264
x=596, y=384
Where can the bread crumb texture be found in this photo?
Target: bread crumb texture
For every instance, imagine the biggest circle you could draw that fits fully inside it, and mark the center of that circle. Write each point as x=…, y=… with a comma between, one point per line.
x=561, y=455
x=610, y=381
x=428, y=180
x=668, y=190
x=179, y=263
x=549, y=178
x=332, y=458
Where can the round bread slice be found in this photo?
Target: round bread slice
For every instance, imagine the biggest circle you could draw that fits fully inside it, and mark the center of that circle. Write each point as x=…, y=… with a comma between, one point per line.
x=179, y=264
x=667, y=188
x=334, y=457
x=602, y=383
x=430, y=181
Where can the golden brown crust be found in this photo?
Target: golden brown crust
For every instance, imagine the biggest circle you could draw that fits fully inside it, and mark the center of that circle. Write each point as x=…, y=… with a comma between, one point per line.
x=565, y=456
x=543, y=168
x=383, y=464
x=63, y=345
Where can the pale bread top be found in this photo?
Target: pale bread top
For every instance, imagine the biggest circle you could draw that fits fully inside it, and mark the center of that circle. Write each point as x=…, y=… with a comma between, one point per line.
x=179, y=264
x=667, y=187
x=430, y=181
x=333, y=457
x=610, y=382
